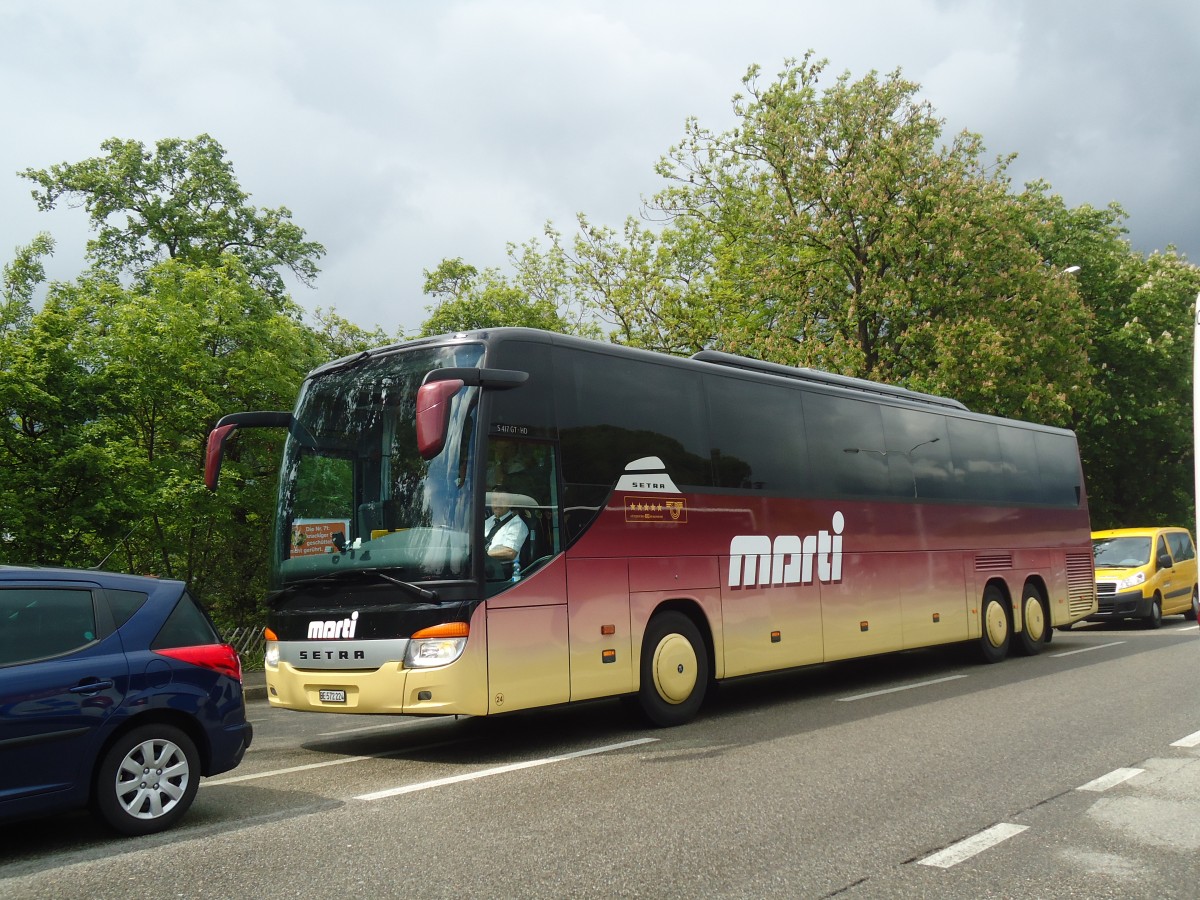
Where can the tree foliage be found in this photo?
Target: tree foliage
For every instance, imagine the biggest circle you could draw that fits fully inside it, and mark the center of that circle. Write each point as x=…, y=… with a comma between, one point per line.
x=839, y=227
x=181, y=201
x=108, y=391
x=539, y=297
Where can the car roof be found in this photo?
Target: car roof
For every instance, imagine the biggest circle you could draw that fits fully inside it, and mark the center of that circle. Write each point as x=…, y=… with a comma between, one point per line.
x=112, y=580
x=1148, y=531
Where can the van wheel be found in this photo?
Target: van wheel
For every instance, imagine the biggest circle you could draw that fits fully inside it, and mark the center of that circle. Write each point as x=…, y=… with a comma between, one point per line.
x=1153, y=619
x=1035, y=629
x=997, y=625
x=674, y=670
x=147, y=780
x=1194, y=613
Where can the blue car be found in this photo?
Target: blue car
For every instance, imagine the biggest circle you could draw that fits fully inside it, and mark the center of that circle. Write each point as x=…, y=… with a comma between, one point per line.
x=116, y=692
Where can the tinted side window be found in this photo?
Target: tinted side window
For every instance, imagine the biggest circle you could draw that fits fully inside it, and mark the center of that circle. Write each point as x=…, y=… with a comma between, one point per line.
x=1021, y=470
x=918, y=454
x=124, y=604
x=1181, y=546
x=1058, y=459
x=757, y=436
x=36, y=623
x=614, y=410
x=187, y=626
x=846, y=446
x=978, y=470
x=529, y=409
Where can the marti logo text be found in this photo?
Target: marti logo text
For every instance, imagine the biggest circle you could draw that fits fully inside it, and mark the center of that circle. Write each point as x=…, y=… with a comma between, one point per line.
x=758, y=560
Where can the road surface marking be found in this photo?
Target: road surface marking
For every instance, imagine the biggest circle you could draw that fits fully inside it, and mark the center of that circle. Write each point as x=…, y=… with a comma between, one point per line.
x=1192, y=740
x=498, y=770
x=965, y=849
x=1087, y=649
x=1112, y=779
x=907, y=687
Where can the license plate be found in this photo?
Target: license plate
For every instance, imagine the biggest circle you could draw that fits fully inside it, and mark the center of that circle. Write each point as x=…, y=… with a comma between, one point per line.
x=331, y=696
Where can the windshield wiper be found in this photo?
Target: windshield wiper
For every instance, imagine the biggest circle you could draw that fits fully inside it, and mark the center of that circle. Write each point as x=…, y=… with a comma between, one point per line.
x=415, y=589
x=423, y=593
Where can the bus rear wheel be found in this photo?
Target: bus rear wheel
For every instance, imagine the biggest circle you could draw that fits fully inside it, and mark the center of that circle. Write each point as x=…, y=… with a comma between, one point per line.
x=1035, y=630
x=674, y=670
x=997, y=625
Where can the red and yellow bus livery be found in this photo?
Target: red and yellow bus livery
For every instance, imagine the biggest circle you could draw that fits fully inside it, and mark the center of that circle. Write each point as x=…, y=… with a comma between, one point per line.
x=507, y=519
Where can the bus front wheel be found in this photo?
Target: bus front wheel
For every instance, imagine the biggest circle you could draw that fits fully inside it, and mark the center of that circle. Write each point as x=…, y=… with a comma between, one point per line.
x=997, y=625
x=674, y=670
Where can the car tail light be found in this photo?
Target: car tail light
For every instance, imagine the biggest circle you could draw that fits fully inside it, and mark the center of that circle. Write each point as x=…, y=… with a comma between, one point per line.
x=218, y=657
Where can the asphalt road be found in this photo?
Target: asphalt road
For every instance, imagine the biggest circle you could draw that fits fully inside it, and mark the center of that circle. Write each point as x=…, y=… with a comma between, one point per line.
x=1072, y=774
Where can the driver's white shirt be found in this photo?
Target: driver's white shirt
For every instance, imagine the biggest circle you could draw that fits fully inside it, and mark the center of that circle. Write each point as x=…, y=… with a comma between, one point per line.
x=512, y=533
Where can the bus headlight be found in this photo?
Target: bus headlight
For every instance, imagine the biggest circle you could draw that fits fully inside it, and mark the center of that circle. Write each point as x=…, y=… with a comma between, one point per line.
x=436, y=646
x=271, y=658
x=1132, y=581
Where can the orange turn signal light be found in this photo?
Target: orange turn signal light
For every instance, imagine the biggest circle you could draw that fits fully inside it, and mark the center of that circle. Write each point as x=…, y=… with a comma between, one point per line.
x=445, y=630
x=269, y=634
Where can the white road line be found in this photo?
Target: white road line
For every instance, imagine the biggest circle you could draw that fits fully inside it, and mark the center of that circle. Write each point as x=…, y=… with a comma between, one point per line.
x=1087, y=649
x=965, y=849
x=907, y=687
x=1112, y=779
x=1192, y=740
x=498, y=770
x=367, y=728
x=340, y=761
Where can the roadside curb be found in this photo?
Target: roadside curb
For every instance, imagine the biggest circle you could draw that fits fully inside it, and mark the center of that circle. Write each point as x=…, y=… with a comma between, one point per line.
x=254, y=685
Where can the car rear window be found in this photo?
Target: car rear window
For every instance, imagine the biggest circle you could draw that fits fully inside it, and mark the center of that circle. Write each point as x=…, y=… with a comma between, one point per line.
x=187, y=626
x=37, y=623
x=124, y=604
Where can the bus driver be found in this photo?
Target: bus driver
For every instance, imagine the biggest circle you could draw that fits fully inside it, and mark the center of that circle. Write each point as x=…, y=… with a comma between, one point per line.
x=504, y=531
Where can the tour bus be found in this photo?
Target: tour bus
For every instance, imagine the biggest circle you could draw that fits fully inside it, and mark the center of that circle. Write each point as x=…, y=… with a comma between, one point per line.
x=672, y=522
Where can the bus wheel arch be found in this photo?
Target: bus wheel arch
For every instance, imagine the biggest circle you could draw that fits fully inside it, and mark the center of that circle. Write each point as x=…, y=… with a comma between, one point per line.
x=996, y=620
x=1035, y=619
x=675, y=665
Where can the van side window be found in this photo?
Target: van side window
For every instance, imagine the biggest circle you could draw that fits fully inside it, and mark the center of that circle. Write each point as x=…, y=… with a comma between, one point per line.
x=1181, y=546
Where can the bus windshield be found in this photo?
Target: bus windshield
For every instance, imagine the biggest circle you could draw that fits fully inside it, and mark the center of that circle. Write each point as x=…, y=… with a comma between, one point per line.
x=355, y=493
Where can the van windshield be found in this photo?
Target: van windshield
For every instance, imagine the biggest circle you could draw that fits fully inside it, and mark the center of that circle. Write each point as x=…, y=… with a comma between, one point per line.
x=1121, y=552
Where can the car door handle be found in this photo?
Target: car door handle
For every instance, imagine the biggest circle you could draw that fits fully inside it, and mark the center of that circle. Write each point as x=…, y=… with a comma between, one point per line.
x=92, y=687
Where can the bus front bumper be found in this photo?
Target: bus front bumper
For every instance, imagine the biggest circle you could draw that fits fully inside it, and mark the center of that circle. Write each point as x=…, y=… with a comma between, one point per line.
x=459, y=688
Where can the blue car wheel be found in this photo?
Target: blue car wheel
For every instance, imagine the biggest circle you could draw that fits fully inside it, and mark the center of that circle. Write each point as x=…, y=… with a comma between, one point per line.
x=147, y=780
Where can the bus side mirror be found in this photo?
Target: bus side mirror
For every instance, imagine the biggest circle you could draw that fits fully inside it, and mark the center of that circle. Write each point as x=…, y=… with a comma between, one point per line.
x=213, y=452
x=214, y=448
x=433, y=415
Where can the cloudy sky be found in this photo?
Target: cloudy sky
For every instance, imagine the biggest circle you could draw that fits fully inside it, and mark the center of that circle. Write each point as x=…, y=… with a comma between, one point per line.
x=403, y=133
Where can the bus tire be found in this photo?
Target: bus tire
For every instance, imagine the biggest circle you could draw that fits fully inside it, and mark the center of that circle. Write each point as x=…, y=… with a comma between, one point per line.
x=1035, y=624
x=674, y=670
x=997, y=625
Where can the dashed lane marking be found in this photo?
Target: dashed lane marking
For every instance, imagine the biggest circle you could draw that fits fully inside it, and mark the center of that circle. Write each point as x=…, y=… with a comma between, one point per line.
x=905, y=687
x=1112, y=779
x=968, y=847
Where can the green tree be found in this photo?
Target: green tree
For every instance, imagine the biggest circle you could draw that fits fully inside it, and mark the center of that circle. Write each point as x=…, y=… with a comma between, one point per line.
x=107, y=392
x=539, y=297
x=860, y=241
x=181, y=201
x=115, y=390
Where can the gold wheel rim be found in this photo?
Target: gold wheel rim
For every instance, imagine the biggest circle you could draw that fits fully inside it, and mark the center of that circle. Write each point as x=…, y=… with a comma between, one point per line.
x=1035, y=619
x=996, y=623
x=674, y=668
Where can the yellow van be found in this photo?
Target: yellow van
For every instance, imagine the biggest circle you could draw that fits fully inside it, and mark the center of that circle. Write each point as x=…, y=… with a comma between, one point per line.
x=1145, y=573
